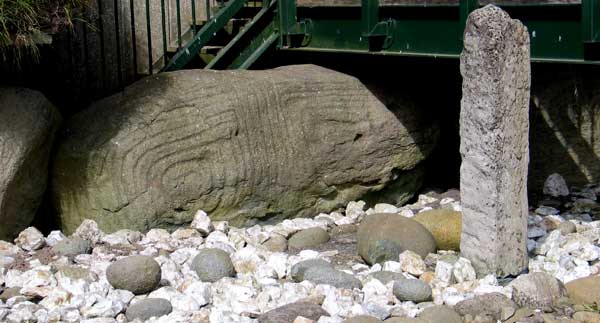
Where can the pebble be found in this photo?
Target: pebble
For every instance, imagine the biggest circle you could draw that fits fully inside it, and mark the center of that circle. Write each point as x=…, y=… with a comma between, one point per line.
x=288, y=313
x=413, y=290
x=308, y=238
x=440, y=313
x=386, y=276
x=537, y=290
x=363, y=319
x=567, y=227
x=72, y=247
x=89, y=230
x=355, y=210
x=556, y=186
x=149, y=307
x=584, y=290
x=330, y=276
x=54, y=237
x=265, y=277
x=202, y=223
x=276, y=243
x=587, y=317
x=382, y=237
x=30, y=239
x=212, y=264
x=546, y=210
x=412, y=263
x=491, y=306
x=122, y=237
x=385, y=208
x=298, y=269
x=445, y=225
x=137, y=274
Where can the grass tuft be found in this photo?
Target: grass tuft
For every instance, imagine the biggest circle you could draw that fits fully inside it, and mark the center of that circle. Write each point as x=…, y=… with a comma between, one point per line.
x=24, y=24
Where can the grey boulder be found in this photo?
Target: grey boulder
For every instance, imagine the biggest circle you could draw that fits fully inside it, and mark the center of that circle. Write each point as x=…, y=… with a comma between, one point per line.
x=244, y=146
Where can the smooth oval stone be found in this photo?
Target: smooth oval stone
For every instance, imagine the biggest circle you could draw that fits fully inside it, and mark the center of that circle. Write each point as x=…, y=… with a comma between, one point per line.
x=288, y=313
x=404, y=320
x=445, y=226
x=584, y=290
x=308, y=238
x=276, y=243
x=362, y=319
x=383, y=236
x=385, y=276
x=440, y=313
x=212, y=264
x=137, y=274
x=147, y=308
x=414, y=290
x=537, y=290
x=298, y=269
x=567, y=227
x=330, y=276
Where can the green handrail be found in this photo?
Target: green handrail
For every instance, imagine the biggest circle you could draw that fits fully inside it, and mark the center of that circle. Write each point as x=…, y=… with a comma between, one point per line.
x=206, y=33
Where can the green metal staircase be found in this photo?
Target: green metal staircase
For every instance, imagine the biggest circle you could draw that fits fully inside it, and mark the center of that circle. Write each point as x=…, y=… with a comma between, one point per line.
x=563, y=31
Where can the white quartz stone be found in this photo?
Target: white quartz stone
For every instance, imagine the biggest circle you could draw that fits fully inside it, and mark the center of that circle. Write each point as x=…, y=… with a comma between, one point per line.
x=412, y=263
x=202, y=223
x=30, y=239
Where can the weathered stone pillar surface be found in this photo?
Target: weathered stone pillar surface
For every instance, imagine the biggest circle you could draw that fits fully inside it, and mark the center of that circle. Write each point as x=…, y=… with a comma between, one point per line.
x=494, y=125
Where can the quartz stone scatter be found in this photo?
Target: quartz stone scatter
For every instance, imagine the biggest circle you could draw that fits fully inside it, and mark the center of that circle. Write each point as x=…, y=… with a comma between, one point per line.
x=235, y=275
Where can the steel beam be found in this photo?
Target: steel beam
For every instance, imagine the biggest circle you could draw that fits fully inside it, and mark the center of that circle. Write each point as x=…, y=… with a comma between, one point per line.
x=555, y=30
x=590, y=20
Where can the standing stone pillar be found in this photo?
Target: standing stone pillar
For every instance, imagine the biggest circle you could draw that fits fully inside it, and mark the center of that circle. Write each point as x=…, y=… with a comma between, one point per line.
x=494, y=127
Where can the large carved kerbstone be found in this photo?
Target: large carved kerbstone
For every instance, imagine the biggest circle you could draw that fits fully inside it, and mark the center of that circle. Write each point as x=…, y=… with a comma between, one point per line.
x=242, y=145
x=494, y=127
x=28, y=122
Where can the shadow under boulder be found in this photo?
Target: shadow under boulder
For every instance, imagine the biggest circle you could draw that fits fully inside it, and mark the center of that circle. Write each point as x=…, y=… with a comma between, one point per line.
x=244, y=146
